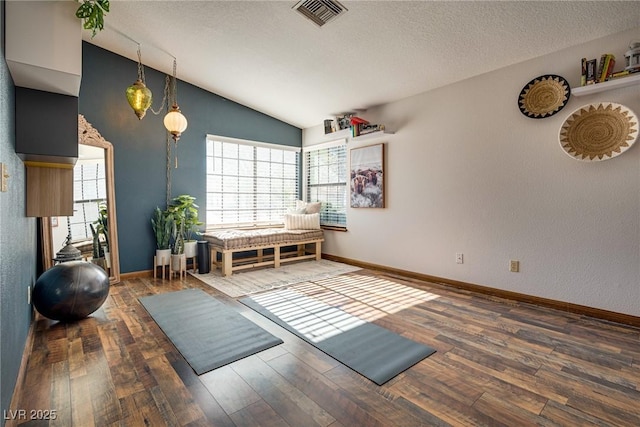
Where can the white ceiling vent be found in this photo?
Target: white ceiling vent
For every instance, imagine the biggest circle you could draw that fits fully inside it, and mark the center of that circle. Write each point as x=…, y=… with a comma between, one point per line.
x=320, y=11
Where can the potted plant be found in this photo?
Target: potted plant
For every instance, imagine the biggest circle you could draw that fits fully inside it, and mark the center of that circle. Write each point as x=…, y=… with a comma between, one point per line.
x=162, y=223
x=178, y=256
x=92, y=14
x=185, y=213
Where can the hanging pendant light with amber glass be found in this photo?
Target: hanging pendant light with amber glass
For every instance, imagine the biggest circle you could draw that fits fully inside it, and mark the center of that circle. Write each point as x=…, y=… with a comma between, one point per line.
x=138, y=94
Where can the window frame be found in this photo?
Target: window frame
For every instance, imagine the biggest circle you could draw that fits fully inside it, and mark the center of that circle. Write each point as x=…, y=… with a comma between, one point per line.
x=82, y=218
x=255, y=223
x=342, y=142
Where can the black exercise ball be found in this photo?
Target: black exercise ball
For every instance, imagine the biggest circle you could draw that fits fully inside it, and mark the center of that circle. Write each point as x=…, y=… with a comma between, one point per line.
x=70, y=290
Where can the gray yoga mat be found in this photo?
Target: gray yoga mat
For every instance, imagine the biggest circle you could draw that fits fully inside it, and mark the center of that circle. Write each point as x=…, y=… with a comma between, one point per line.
x=372, y=351
x=207, y=333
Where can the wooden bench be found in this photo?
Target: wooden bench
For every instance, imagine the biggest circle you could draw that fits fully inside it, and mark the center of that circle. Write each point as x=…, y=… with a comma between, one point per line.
x=253, y=243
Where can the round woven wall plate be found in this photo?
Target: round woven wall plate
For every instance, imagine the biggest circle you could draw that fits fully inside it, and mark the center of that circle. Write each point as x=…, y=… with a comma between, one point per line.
x=544, y=96
x=597, y=132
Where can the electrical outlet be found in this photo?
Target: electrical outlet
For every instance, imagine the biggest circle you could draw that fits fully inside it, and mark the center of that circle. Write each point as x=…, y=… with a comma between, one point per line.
x=29, y=295
x=514, y=266
x=459, y=258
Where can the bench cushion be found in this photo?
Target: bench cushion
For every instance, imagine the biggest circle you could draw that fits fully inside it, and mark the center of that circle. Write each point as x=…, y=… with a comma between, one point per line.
x=246, y=239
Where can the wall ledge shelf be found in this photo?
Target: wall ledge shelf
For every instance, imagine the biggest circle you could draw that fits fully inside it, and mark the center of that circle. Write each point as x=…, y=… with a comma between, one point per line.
x=346, y=134
x=371, y=135
x=339, y=134
x=608, y=85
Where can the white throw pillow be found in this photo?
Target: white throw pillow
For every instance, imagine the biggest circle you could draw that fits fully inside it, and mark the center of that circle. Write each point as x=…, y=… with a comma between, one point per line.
x=310, y=208
x=302, y=221
x=297, y=211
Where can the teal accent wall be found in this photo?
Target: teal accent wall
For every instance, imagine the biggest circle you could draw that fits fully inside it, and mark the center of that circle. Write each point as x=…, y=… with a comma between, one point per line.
x=140, y=145
x=17, y=241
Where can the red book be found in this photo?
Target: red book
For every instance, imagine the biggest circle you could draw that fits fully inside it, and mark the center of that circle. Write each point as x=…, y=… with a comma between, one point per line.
x=358, y=121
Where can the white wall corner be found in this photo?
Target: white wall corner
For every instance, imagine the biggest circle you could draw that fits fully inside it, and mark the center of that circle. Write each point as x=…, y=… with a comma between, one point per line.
x=44, y=45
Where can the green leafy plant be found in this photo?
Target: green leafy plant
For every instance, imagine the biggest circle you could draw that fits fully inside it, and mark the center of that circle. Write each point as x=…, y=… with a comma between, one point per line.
x=163, y=224
x=177, y=248
x=185, y=212
x=92, y=14
x=98, y=250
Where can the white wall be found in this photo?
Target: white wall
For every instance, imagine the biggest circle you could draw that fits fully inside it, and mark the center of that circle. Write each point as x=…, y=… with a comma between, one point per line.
x=467, y=172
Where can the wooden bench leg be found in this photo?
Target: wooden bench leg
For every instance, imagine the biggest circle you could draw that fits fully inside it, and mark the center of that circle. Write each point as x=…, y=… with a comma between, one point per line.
x=318, y=251
x=260, y=254
x=227, y=260
x=276, y=256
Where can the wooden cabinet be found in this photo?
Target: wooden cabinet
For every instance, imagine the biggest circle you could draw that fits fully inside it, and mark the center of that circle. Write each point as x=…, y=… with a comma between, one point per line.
x=46, y=126
x=49, y=189
x=47, y=142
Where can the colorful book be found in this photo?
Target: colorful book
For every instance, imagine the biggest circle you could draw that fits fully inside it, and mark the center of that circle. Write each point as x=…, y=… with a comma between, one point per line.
x=622, y=73
x=606, y=67
x=591, y=71
x=612, y=63
x=583, y=76
x=603, y=59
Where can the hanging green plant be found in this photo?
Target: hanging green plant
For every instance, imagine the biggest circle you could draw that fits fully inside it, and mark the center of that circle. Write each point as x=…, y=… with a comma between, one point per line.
x=92, y=14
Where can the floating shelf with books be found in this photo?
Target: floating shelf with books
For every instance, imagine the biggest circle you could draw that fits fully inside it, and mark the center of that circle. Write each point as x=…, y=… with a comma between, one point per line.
x=339, y=134
x=620, y=82
x=346, y=134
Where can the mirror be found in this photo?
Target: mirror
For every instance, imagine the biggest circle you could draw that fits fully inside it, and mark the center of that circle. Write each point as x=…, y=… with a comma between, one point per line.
x=94, y=199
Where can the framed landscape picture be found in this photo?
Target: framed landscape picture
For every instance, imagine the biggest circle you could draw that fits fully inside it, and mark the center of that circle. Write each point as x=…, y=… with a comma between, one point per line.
x=367, y=176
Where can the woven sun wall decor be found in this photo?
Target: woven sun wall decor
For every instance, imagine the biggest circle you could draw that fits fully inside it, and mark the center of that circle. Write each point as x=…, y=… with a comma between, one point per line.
x=544, y=96
x=600, y=131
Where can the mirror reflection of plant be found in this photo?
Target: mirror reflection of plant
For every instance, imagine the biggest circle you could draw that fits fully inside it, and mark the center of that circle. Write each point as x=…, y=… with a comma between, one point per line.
x=102, y=224
x=98, y=249
x=162, y=224
x=185, y=213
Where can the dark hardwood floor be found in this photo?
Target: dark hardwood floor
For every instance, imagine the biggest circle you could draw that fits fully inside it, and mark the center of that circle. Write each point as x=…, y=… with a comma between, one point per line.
x=498, y=363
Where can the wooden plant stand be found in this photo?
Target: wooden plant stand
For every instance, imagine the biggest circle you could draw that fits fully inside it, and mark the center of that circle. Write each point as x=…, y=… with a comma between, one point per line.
x=181, y=271
x=161, y=265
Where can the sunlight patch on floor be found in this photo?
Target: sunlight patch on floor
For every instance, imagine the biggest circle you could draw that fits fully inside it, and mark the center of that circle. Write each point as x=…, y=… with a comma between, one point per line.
x=315, y=319
x=328, y=307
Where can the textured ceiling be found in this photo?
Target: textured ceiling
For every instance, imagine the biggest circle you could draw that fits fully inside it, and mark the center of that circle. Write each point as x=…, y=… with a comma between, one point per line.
x=267, y=56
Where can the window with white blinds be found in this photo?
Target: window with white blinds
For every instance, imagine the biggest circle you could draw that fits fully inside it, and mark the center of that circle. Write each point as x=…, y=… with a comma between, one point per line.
x=249, y=183
x=326, y=181
x=89, y=190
